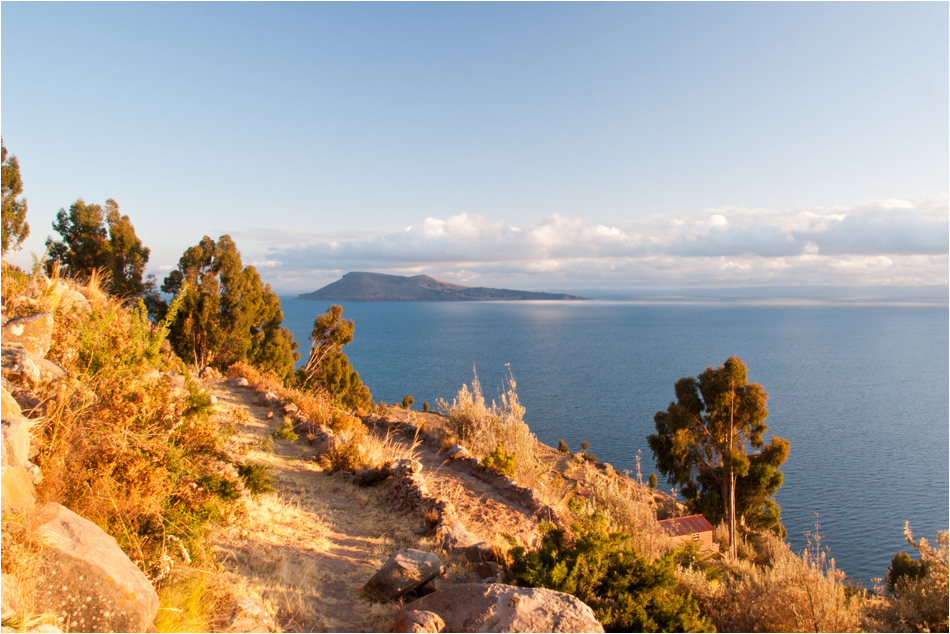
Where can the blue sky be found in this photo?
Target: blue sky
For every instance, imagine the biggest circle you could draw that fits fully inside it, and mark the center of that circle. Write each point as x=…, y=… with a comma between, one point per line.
x=540, y=146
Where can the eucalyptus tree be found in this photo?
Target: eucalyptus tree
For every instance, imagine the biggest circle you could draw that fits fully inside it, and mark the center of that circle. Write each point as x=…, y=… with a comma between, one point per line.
x=15, y=227
x=702, y=444
x=328, y=369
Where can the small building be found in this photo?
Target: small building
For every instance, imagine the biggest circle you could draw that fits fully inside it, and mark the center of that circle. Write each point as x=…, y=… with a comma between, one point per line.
x=693, y=528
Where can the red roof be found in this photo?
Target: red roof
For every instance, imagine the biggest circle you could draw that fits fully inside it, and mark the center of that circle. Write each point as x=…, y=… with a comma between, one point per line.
x=686, y=525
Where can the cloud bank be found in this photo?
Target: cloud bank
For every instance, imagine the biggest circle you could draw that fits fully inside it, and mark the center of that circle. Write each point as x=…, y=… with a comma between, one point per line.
x=892, y=242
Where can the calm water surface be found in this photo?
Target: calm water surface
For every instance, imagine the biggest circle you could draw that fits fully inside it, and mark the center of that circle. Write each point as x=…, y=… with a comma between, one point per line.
x=861, y=392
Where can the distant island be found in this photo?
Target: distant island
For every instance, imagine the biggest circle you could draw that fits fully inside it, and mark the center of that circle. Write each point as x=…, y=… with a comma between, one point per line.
x=378, y=287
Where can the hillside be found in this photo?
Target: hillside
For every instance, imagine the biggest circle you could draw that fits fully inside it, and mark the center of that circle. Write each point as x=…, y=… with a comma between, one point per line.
x=378, y=287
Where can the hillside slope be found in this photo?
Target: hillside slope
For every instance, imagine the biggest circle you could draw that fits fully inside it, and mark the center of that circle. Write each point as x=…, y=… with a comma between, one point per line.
x=379, y=287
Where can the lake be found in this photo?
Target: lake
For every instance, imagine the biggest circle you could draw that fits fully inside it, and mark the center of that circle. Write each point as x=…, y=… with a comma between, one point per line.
x=861, y=392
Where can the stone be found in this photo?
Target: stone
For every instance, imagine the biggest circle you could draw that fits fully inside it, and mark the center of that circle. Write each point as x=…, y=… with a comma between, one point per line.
x=16, y=441
x=86, y=579
x=404, y=571
x=36, y=474
x=270, y=415
x=448, y=580
x=17, y=493
x=213, y=399
x=239, y=382
x=478, y=553
x=10, y=409
x=267, y=399
x=73, y=300
x=370, y=477
x=33, y=332
x=290, y=408
x=487, y=569
x=452, y=534
x=405, y=466
x=175, y=379
x=247, y=615
x=457, y=451
x=418, y=621
x=19, y=364
x=496, y=607
x=48, y=370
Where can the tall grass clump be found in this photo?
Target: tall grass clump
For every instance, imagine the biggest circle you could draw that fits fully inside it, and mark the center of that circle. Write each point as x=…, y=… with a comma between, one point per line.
x=917, y=602
x=484, y=428
x=123, y=447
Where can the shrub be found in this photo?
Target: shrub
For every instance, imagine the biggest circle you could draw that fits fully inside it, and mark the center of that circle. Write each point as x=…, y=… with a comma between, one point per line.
x=407, y=402
x=562, y=447
x=425, y=406
x=501, y=461
x=918, y=599
x=627, y=592
x=257, y=477
x=482, y=428
x=286, y=431
x=653, y=482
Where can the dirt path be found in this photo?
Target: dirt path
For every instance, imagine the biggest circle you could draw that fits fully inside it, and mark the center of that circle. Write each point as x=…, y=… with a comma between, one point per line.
x=307, y=548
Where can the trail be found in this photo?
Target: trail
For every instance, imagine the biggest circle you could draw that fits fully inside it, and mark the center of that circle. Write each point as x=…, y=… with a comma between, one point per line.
x=308, y=547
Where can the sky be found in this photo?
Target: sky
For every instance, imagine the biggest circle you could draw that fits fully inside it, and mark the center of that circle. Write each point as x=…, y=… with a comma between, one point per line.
x=540, y=146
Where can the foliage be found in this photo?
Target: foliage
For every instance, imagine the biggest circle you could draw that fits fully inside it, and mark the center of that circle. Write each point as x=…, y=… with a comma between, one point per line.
x=286, y=431
x=15, y=227
x=122, y=447
x=257, y=477
x=328, y=369
x=425, y=406
x=501, y=461
x=918, y=598
x=701, y=445
x=653, y=482
x=227, y=314
x=482, y=428
x=99, y=239
x=562, y=447
x=627, y=592
x=407, y=401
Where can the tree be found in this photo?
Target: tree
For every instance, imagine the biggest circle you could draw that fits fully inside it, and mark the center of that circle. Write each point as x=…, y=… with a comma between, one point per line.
x=15, y=227
x=407, y=401
x=328, y=369
x=227, y=313
x=97, y=239
x=702, y=440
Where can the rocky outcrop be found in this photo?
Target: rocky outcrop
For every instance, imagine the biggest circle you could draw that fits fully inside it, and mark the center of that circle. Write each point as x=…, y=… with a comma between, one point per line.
x=88, y=582
x=34, y=333
x=500, y=608
x=404, y=571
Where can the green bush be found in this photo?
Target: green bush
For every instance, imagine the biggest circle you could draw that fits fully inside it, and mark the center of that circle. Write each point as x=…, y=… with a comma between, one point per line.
x=425, y=406
x=257, y=477
x=653, y=482
x=286, y=432
x=500, y=460
x=407, y=401
x=902, y=565
x=627, y=592
x=562, y=446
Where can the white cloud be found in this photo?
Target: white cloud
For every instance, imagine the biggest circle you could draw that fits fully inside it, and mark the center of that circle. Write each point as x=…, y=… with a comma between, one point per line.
x=882, y=242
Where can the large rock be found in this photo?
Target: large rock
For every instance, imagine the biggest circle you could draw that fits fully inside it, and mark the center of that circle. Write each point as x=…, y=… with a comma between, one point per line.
x=88, y=582
x=33, y=332
x=404, y=571
x=17, y=493
x=10, y=409
x=499, y=608
x=19, y=364
x=16, y=441
x=416, y=621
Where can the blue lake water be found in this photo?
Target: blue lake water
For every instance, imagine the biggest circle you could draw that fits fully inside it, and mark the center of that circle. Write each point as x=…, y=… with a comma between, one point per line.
x=860, y=391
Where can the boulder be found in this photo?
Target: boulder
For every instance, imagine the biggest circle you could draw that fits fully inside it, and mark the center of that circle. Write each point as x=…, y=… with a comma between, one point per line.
x=49, y=371
x=478, y=553
x=404, y=571
x=16, y=441
x=495, y=607
x=88, y=582
x=418, y=621
x=404, y=466
x=239, y=382
x=17, y=493
x=247, y=615
x=33, y=332
x=449, y=580
x=452, y=533
x=175, y=379
x=10, y=409
x=457, y=451
x=267, y=399
x=18, y=363
x=73, y=300
x=290, y=408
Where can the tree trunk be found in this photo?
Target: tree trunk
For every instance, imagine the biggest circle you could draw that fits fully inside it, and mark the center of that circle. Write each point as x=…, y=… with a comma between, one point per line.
x=730, y=476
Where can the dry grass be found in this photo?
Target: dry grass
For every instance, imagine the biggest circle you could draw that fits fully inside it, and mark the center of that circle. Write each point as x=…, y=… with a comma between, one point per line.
x=791, y=593
x=482, y=428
